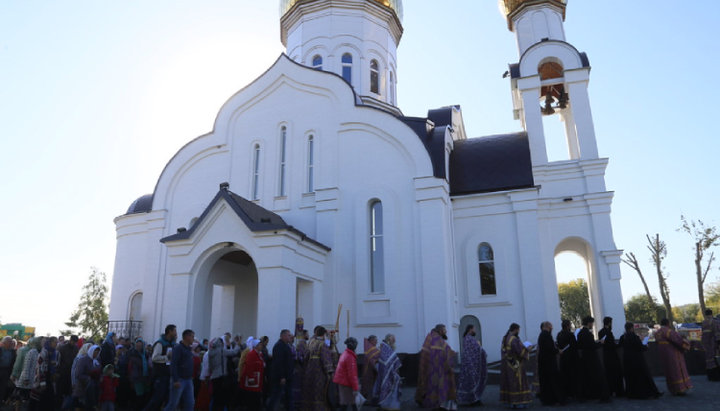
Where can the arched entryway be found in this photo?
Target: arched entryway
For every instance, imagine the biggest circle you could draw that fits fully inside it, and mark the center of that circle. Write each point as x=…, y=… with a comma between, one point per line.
x=226, y=294
x=574, y=260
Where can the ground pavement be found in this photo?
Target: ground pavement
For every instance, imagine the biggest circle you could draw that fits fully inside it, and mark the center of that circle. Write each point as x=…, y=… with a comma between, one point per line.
x=704, y=396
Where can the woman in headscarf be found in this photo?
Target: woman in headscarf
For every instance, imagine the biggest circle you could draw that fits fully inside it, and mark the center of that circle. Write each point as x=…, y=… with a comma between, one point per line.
x=87, y=374
x=138, y=373
x=42, y=396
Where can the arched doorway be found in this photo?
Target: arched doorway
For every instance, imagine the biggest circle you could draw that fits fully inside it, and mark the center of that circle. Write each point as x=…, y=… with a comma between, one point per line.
x=226, y=294
x=574, y=267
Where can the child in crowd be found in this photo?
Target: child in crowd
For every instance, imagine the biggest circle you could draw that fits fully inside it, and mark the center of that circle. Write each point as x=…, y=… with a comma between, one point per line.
x=108, y=386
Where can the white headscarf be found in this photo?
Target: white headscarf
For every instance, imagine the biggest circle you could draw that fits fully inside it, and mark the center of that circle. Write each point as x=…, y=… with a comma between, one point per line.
x=83, y=350
x=90, y=353
x=249, y=341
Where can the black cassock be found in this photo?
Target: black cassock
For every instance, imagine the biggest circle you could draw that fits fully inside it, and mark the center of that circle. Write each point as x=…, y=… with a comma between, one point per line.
x=592, y=376
x=611, y=361
x=569, y=363
x=638, y=381
x=549, y=376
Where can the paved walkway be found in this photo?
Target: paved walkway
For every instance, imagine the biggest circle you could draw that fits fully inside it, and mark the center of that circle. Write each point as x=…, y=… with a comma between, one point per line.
x=704, y=396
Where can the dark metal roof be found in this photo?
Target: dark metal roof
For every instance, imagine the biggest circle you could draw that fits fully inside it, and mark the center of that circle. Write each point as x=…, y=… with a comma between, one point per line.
x=491, y=163
x=142, y=205
x=432, y=135
x=255, y=217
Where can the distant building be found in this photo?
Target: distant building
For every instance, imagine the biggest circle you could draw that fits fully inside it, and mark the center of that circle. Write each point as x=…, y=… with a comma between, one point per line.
x=333, y=196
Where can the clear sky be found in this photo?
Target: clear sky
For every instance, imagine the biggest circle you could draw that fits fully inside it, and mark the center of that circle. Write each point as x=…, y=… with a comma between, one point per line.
x=95, y=97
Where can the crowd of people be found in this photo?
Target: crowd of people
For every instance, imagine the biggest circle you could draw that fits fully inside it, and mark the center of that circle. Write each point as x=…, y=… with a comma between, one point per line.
x=308, y=373
x=298, y=372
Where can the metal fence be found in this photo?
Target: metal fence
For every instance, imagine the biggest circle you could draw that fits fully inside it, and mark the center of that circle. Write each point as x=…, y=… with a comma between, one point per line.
x=126, y=329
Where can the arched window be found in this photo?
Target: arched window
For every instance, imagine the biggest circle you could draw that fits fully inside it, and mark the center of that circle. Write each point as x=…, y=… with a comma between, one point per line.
x=391, y=87
x=256, y=173
x=310, y=164
x=347, y=67
x=317, y=62
x=374, y=77
x=486, y=263
x=283, y=155
x=135, y=310
x=377, y=252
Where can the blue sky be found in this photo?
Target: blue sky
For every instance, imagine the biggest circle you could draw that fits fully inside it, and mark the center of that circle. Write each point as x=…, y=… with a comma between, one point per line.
x=95, y=97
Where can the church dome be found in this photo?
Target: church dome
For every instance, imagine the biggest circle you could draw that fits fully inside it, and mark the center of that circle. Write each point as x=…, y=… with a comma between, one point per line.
x=395, y=5
x=510, y=8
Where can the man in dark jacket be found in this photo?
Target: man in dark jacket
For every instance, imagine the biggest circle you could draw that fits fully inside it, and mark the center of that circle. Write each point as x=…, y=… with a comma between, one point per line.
x=281, y=372
x=549, y=376
x=181, y=371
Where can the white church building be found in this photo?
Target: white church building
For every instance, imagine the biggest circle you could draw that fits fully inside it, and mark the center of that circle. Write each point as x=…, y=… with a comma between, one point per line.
x=314, y=190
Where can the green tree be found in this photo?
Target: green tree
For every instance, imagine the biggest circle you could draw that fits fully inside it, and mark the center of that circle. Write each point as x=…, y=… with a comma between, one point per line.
x=704, y=238
x=712, y=297
x=639, y=310
x=574, y=300
x=91, y=315
x=687, y=313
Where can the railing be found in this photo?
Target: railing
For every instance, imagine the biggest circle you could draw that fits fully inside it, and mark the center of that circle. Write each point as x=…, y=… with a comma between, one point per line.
x=126, y=329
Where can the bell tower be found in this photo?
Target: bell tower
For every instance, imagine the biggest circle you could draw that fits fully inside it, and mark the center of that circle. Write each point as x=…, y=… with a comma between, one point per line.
x=355, y=39
x=550, y=79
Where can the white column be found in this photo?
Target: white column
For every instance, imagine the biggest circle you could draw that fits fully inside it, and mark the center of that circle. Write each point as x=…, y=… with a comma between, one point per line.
x=276, y=300
x=436, y=298
x=580, y=106
x=530, y=92
x=570, y=134
x=538, y=307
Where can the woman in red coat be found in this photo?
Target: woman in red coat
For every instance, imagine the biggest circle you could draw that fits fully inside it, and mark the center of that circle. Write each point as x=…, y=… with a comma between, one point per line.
x=346, y=375
x=251, y=379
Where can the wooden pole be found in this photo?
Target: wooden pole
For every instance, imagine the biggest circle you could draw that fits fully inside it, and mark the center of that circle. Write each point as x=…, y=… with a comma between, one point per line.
x=337, y=320
x=348, y=324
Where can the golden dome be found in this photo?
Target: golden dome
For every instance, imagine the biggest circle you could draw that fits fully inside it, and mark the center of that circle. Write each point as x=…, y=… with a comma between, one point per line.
x=509, y=7
x=395, y=5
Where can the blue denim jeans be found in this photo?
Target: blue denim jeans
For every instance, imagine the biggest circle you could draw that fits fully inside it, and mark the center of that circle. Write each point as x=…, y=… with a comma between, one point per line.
x=182, y=396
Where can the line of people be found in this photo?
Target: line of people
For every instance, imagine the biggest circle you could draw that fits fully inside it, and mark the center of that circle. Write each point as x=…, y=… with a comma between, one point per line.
x=300, y=372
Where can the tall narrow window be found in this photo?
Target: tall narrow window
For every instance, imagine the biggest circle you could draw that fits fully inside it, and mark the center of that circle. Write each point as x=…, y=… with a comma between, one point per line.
x=347, y=67
x=374, y=77
x=311, y=165
x=377, y=253
x=391, y=87
x=486, y=262
x=283, y=155
x=317, y=62
x=256, y=173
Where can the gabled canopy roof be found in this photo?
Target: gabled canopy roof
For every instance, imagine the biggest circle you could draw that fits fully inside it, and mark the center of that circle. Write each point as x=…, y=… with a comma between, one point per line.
x=255, y=217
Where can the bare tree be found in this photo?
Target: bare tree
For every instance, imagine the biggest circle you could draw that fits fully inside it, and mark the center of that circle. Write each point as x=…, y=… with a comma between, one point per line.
x=658, y=252
x=632, y=261
x=705, y=237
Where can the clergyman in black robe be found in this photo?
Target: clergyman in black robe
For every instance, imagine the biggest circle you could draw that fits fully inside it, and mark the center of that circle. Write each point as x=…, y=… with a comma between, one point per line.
x=592, y=376
x=639, y=382
x=549, y=376
x=569, y=360
x=611, y=360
